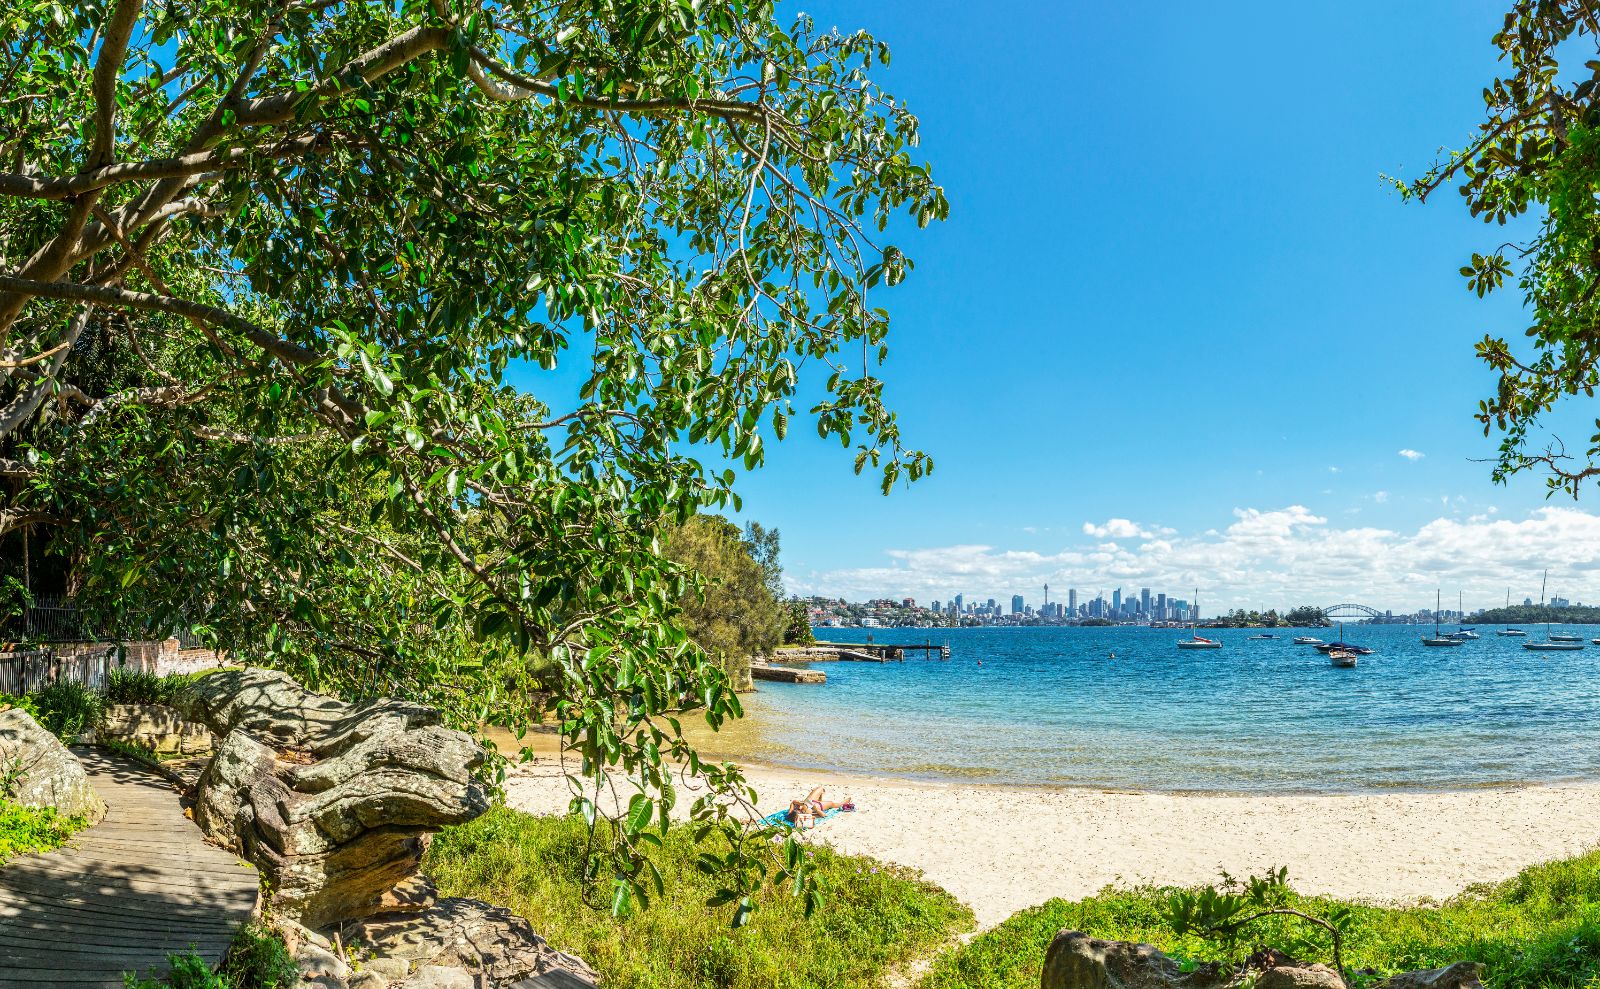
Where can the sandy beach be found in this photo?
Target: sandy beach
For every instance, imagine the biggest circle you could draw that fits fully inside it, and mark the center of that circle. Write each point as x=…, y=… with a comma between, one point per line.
x=1003, y=848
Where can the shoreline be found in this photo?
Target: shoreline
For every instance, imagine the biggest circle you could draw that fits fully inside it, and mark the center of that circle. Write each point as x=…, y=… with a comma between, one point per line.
x=545, y=747
x=1001, y=848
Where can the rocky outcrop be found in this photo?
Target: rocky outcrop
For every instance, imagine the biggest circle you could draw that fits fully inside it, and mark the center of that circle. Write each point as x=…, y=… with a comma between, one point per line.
x=1461, y=975
x=156, y=727
x=333, y=802
x=41, y=771
x=1077, y=961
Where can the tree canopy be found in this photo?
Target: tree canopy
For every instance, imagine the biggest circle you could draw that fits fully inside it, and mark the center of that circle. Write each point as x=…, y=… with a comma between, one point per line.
x=1537, y=152
x=735, y=613
x=382, y=342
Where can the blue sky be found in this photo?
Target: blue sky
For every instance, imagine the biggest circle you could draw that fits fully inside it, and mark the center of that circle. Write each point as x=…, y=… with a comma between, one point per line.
x=1178, y=329
x=1173, y=286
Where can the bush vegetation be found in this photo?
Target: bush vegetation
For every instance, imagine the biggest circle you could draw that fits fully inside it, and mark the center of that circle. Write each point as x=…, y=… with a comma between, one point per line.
x=874, y=916
x=26, y=830
x=1540, y=928
x=67, y=708
x=257, y=959
x=125, y=686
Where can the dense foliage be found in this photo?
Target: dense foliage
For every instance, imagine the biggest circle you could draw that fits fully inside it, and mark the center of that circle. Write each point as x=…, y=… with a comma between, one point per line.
x=381, y=342
x=1538, y=154
x=734, y=614
x=878, y=916
x=1538, y=929
x=1533, y=614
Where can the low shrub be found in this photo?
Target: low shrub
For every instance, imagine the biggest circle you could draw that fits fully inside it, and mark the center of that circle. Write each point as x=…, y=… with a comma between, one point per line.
x=67, y=708
x=873, y=918
x=257, y=959
x=28, y=830
x=125, y=686
x=1539, y=929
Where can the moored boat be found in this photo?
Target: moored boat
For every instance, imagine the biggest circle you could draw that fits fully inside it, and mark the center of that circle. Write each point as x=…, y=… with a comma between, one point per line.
x=1511, y=632
x=1553, y=646
x=1195, y=641
x=1342, y=658
x=1563, y=637
x=1440, y=640
x=1307, y=640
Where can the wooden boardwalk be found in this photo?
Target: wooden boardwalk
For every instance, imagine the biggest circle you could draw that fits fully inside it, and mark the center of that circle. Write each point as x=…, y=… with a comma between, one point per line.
x=121, y=895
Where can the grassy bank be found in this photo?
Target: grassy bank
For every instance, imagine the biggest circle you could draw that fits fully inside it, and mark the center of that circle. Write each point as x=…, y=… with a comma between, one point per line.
x=875, y=916
x=1538, y=929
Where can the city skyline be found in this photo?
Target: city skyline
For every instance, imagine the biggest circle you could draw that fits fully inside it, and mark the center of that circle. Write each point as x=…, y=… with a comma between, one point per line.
x=1281, y=559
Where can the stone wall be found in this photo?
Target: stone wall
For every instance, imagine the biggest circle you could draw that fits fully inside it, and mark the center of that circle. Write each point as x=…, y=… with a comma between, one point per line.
x=156, y=727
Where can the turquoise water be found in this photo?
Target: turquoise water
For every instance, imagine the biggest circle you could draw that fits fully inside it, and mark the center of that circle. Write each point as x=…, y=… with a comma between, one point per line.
x=1049, y=707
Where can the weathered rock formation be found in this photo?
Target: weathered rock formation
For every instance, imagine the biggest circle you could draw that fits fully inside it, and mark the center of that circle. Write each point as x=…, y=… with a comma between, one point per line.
x=155, y=727
x=1077, y=961
x=46, y=773
x=335, y=804
x=332, y=802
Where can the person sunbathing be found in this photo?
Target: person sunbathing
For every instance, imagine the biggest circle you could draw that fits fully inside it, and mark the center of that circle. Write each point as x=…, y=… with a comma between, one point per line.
x=806, y=812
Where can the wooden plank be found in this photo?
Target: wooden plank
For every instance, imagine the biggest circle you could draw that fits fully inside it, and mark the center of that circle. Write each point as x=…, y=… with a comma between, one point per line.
x=123, y=894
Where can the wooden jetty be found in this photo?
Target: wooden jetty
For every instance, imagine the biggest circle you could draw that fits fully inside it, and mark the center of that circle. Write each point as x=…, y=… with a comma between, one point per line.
x=786, y=674
x=121, y=895
x=868, y=652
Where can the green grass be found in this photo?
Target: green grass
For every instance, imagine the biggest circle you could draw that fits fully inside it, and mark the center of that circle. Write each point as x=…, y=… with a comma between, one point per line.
x=873, y=918
x=1538, y=929
x=257, y=959
x=27, y=830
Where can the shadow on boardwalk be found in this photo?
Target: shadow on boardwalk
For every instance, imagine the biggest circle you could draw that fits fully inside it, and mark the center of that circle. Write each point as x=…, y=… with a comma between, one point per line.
x=123, y=894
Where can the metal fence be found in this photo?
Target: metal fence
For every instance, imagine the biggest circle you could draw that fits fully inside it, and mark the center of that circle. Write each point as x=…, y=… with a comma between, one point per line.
x=49, y=619
x=25, y=672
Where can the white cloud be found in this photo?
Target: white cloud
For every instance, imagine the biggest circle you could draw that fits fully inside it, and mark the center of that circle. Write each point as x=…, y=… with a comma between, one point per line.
x=1380, y=496
x=1412, y=455
x=1333, y=470
x=1281, y=557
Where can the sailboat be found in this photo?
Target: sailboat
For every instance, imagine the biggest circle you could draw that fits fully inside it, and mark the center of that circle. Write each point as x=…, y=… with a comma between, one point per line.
x=1462, y=631
x=1197, y=641
x=1341, y=653
x=1439, y=640
x=1552, y=643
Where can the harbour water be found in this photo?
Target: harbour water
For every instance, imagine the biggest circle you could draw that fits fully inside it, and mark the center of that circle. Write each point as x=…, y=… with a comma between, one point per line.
x=1049, y=706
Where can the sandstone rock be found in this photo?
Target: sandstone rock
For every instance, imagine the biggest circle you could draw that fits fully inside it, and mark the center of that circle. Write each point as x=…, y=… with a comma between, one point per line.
x=1461, y=975
x=48, y=775
x=156, y=727
x=1077, y=961
x=440, y=977
x=1297, y=976
x=333, y=802
x=470, y=936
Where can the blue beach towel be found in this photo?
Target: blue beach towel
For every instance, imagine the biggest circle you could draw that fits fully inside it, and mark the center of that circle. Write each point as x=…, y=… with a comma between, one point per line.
x=780, y=818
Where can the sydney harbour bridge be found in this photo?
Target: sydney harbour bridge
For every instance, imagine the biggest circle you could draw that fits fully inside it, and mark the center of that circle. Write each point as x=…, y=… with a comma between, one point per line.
x=1354, y=611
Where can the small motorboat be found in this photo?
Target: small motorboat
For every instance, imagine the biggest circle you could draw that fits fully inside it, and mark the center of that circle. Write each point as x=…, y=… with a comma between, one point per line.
x=1553, y=646
x=1331, y=647
x=1342, y=658
x=1466, y=633
x=1307, y=640
x=1263, y=636
x=1511, y=632
x=1595, y=641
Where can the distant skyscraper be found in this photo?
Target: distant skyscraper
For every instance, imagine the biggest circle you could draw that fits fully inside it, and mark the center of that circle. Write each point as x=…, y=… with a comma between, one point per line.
x=1072, y=600
x=1016, y=604
x=1144, y=600
x=1116, y=601
x=960, y=605
x=1161, y=606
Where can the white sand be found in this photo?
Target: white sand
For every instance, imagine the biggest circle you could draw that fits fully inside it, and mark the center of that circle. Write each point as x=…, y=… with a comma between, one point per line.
x=1000, y=849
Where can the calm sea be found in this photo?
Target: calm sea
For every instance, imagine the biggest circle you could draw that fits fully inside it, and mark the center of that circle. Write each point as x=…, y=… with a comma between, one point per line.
x=1049, y=706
